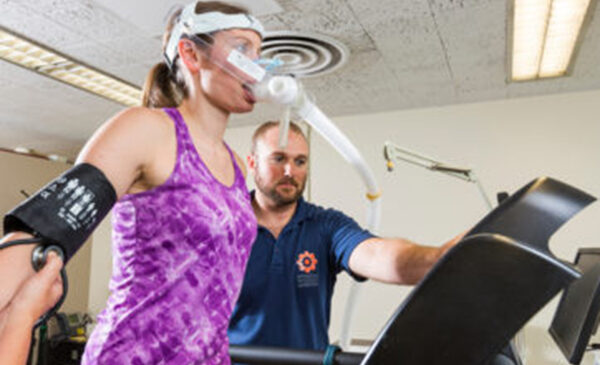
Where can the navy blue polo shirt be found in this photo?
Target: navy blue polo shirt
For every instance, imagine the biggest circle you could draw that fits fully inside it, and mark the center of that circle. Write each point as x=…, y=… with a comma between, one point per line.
x=286, y=295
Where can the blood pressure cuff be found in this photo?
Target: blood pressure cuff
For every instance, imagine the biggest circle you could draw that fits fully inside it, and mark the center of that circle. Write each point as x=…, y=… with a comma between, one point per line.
x=67, y=210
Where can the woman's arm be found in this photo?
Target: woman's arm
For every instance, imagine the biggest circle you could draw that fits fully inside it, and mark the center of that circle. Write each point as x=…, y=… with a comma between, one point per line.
x=121, y=150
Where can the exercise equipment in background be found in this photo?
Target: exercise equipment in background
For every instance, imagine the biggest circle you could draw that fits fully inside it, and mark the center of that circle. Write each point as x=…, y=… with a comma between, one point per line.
x=578, y=312
x=476, y=298
x=393, y=152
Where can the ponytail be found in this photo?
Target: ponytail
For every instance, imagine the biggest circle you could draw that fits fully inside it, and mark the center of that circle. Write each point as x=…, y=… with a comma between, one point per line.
x=162, y=89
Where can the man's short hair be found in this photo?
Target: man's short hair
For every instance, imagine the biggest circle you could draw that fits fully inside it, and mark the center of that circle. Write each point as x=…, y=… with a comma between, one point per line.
x=263, y=128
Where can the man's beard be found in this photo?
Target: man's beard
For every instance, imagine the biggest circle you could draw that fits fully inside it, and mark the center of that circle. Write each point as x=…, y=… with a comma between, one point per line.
x=275, y=196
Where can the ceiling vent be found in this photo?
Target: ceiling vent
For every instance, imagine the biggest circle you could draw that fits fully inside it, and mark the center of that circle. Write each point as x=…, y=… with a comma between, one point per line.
x=304, y=55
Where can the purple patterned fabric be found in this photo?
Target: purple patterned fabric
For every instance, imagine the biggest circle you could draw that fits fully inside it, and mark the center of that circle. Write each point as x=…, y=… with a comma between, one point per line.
x=179, y=256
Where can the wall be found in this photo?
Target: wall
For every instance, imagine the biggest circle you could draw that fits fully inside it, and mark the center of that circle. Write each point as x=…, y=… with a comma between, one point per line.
x=100, y=266
x=30, y=174
x=507, y=142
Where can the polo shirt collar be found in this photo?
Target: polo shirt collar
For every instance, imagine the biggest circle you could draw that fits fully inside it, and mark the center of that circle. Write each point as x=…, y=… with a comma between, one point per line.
x=302, y=211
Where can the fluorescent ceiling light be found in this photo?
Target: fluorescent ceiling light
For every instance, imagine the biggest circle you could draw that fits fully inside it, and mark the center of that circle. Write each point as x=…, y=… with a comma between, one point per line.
x=33, y=153
x=545, y=33
x=27, y=54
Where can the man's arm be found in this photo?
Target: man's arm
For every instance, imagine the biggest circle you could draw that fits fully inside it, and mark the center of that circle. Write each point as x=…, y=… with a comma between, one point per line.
x=35, y=297
x=15, y=338
x=396, y=260
x=12, y=268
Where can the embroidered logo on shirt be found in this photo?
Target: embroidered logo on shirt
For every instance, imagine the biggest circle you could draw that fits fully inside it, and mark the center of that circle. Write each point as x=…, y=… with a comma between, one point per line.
x=307, y=262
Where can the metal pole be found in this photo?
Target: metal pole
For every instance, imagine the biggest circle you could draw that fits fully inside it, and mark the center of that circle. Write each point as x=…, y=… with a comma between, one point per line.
x=287, y=356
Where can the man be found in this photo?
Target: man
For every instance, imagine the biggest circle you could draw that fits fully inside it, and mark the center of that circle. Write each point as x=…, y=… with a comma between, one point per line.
x=300, y=248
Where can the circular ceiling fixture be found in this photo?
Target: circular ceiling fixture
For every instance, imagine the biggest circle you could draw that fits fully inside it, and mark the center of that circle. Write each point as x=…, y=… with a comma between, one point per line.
x=302, y=54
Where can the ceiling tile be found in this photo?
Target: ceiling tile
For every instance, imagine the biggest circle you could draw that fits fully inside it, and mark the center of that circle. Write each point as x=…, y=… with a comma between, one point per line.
x=85, y=17
x=36, y=27
x=462, y=4
x=333, y=18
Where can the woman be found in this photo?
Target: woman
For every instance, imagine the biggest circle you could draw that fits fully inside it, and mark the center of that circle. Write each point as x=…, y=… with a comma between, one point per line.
x=183, y=225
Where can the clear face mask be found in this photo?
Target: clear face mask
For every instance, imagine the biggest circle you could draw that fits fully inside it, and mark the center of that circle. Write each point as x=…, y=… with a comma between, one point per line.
x=237, y=57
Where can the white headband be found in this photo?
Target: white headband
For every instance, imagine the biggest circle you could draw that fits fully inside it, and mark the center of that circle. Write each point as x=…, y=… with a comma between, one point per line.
x=191, y=23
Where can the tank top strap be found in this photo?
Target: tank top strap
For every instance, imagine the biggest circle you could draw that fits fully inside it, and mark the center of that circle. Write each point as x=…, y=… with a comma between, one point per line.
x=181, y=131
x=185, y=145
x=238, y=173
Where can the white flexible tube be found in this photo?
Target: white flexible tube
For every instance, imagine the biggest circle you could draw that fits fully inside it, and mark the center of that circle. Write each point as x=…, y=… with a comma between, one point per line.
x=319, y=121
x=282, y=90
x=287, y=91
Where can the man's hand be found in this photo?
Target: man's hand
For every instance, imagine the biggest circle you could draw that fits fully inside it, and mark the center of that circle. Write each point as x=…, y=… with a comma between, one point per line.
x=448, y=245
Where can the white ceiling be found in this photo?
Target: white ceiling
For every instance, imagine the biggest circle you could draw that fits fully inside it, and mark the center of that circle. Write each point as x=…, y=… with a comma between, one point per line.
x=403, y=54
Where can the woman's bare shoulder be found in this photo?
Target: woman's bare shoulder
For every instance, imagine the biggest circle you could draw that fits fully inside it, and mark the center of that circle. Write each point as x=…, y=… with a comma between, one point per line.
x=138, y=118
x=126, y=144
x=132, y=126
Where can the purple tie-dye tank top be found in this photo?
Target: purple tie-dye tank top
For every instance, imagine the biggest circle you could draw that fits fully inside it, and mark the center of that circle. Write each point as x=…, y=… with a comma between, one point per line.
x=179, y=256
